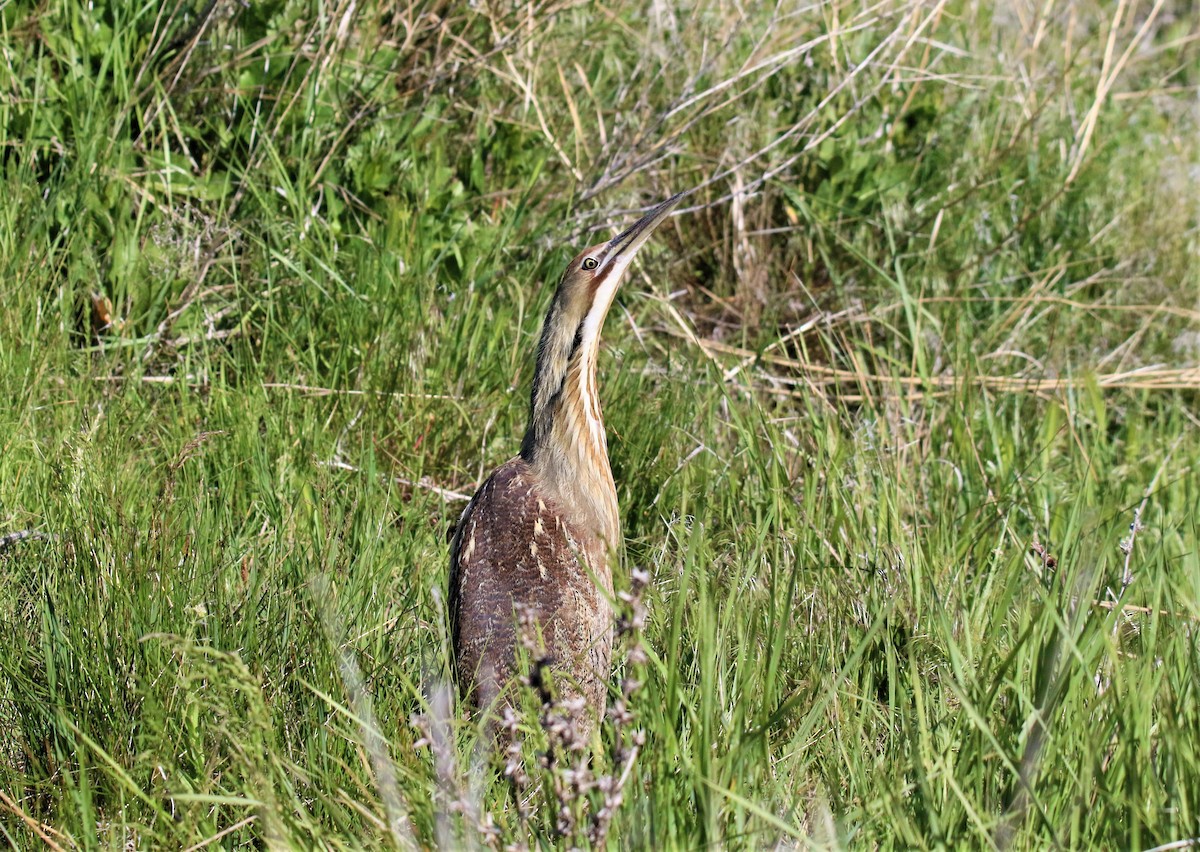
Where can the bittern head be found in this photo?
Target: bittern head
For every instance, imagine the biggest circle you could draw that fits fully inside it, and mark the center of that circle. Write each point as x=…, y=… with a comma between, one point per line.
x=590, y=281
x=572, y=329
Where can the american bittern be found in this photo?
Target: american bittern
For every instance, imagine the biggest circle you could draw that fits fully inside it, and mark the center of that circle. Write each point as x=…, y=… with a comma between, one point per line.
x=538, y=540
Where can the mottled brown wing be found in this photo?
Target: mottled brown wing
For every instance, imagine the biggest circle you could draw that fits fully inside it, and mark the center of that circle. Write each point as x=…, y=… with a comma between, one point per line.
x=513, y=551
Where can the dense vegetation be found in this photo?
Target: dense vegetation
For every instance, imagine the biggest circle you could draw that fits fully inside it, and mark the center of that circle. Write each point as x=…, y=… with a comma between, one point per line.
x=902, y=413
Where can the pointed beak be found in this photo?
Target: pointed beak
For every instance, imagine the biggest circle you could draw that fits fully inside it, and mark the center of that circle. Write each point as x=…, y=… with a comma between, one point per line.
x=623, y=247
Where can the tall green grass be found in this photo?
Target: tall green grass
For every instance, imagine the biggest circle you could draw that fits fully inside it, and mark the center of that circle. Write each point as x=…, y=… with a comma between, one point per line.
x=902, y=414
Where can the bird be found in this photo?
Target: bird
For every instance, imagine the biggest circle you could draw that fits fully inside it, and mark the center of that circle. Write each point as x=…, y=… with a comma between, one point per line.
x=534, y=550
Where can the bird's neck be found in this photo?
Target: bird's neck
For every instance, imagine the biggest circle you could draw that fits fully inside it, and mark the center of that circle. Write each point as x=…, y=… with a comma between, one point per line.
x=565, y=442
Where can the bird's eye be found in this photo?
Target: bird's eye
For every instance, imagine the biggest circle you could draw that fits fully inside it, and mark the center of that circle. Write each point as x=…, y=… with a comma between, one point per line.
x=590, y=263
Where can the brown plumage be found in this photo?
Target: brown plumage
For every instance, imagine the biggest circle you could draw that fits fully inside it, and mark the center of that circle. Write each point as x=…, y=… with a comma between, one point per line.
x=540, y=537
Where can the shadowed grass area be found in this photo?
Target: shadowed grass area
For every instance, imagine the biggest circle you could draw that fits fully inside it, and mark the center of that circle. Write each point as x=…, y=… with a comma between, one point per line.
x=901, y=410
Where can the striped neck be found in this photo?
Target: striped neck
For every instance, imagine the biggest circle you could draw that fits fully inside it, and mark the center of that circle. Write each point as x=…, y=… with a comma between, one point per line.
x=565, y=442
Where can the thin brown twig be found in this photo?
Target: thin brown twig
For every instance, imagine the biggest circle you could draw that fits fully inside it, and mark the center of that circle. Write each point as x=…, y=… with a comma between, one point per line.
x=208, y=841
x=1146, y=378
x=316, y=390
x=41, y=830
x=1137, y=609
x=424, y=483
x=1040, y=299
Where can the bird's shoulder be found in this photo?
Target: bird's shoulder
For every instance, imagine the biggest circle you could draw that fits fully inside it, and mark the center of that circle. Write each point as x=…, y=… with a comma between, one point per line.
x=509, y=510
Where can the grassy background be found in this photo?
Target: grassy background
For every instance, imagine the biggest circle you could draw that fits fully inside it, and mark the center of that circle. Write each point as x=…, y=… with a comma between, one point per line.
x=272, y=276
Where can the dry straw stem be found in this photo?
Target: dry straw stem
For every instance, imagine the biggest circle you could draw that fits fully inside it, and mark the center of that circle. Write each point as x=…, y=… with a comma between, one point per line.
x=424, y=483
x=42, y=830
x=916, y=387
x=1135, y=609
x=1109, y=71
x=225, y=832
x=1059, y=301
x=315, y=390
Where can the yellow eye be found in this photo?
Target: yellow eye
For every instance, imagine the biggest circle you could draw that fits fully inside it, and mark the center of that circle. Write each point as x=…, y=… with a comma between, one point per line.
x=590, y=263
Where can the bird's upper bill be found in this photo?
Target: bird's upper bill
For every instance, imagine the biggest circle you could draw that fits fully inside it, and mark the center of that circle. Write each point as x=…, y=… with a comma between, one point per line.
x=623, y=246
